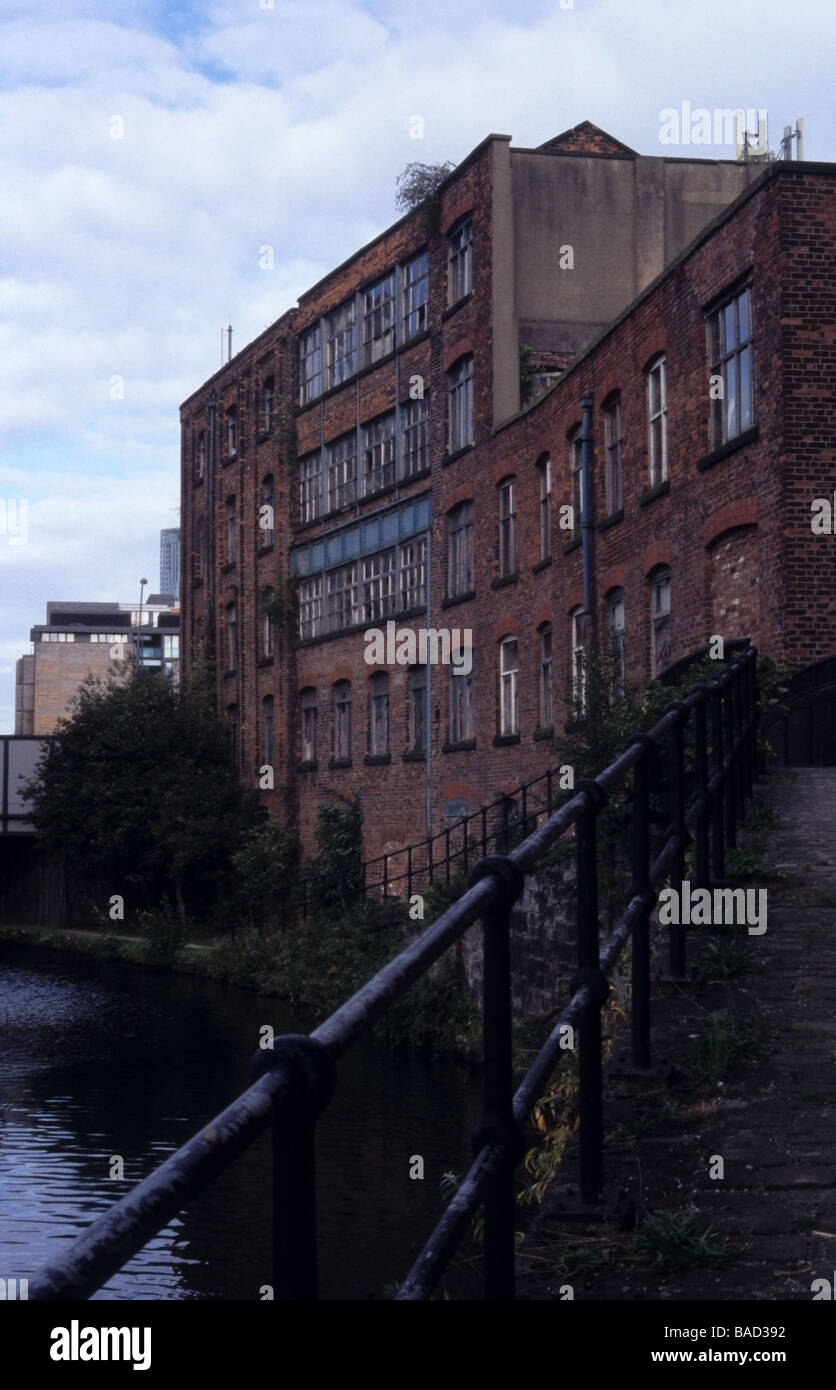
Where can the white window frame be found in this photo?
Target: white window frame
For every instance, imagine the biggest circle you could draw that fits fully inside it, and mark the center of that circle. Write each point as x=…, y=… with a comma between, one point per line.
x=460, y=404
x=341, y=344
x=730, y=338
x=378, y=319
x=379, y=454
x=310, y=487
x=415, y=437
x=508, y=559
x=460, y=261
x=613, y=482
x=546, y=692
x=460, y=550
x=310, y=364
x=544, y=470
x=379, y=715
x=310, y=607
x=342, y=472
x=416, y=294
x=657, y=421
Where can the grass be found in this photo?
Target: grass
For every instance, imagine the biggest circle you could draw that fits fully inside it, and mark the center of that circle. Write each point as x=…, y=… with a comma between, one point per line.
x=718, y=1050
x=670, y=1241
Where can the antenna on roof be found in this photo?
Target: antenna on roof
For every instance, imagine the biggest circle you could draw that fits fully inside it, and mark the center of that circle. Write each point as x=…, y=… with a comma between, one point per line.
x=229, y=343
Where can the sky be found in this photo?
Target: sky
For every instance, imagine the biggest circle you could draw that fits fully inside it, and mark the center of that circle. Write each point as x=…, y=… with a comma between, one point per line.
x=150, y=151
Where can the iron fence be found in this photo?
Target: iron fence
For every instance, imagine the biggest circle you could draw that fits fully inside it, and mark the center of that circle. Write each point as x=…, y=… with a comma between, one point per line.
x=705, y=800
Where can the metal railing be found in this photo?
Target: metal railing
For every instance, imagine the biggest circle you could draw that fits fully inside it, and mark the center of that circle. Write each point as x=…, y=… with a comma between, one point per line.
x=295, y=1080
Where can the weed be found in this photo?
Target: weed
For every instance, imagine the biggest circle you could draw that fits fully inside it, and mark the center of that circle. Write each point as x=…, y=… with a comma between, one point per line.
x=670, y=1241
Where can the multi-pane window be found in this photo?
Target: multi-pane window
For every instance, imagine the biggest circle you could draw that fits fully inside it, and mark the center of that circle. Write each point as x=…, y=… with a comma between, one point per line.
x=342, y=472
x=268, y=403
x=413, y=574
x=308, y=704
x=231, y=531
x=415, y=295
x=310, y=607
x=730, y=358
x=379, y=715
x=417, y=709
x=57, y=636
x=379, y=454
x=342, y=721
x=508, y=676
x=544, y=469
x=460, y=404
x=267, y=731
x=231, y=636
x=340, y=344
x=546, y=697
x=657, y=417
x=310, y=487
x=576, y=474
x=310, y=365
x=415, y=437
x=462, y=723
x=267, y=513
x=460, y=550
x=267, y=601
x=612, y=446
x=660, y=621
x=379, y=320
x=460, y=277
x=508, y=527
x=342, y=598
x=615, y=627
x=578, y=621
x=200, y=458
x=377, y=585
x=231, y=431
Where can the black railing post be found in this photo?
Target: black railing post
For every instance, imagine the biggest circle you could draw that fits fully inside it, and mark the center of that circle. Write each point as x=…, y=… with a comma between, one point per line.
x=409, y=872
x=702, y=871
x=590, y=1067
x=754, y=712
x=498, y=1125
x=640, y=989
x=739, y=748
x=677, y=829
x=429, y=858
x=311, y=1073
x=447, y=855
x=718, y=830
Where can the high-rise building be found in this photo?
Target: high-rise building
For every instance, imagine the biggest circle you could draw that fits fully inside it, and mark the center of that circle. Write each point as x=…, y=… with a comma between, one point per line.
x=170, y=562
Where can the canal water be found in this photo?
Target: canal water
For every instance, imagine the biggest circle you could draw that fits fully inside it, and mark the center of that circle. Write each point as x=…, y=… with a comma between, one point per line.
x=101, y=1059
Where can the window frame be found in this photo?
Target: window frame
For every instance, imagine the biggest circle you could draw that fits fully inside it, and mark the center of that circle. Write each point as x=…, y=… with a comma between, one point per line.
x=341, y=721
x=460, y=549
x=415, y=297
x=460, y=260
x=657, y=422
x=379, y=715
x=545, y=636
x=613, y=455
x=308, y=701
x=509, y=675
x=660, y=619
x=507, y=505
x=544, y=471
x=460, y=404
x=720, y=357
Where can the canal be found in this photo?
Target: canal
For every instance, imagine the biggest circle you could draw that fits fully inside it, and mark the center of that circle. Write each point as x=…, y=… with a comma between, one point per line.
x=102, y=1060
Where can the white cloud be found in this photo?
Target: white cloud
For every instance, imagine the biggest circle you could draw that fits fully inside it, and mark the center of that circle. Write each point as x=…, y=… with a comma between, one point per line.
x=245, y=127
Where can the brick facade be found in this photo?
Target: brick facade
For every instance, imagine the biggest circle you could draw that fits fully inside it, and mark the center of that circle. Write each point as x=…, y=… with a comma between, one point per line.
x=729, y=524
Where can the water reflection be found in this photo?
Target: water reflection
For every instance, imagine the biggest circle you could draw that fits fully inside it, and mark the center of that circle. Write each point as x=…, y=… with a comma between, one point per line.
x=101, y=1059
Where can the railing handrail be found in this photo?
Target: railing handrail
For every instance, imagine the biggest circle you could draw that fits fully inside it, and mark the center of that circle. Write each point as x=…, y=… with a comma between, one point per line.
x=297, y=1076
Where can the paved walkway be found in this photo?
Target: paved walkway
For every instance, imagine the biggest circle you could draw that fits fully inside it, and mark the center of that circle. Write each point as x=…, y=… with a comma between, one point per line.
x=773, y=1121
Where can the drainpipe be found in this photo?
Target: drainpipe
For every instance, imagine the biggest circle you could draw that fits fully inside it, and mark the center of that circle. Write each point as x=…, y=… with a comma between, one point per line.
x=587, y=532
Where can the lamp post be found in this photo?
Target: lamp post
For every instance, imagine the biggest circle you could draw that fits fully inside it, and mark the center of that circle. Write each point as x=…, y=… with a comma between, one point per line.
x=142, y=584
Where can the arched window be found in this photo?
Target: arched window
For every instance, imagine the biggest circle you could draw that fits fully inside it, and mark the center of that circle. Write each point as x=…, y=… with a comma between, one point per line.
x=460, y=405
x=268, y=598
x=232, y=637
x=342, y=721
x=613, y=495
x=417, y=709
x=578, y=636
x=508, y=679
x=267, y=512
x=268, y=400
x=460, y=550
x=308, y=702
x=660, y=620
x=546, y=697
x=379, y=715
x=507, y=491
x=657, y=421
x=231, y=431
x=544, y=469
x=615, y=628
x=231, y=531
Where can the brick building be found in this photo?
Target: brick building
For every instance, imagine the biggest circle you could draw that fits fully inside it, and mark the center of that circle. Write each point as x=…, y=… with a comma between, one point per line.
x=408, y=446
x=85, y=639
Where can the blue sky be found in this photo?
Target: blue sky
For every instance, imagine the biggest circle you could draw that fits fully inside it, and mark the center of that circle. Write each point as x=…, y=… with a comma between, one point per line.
x=243, y=125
